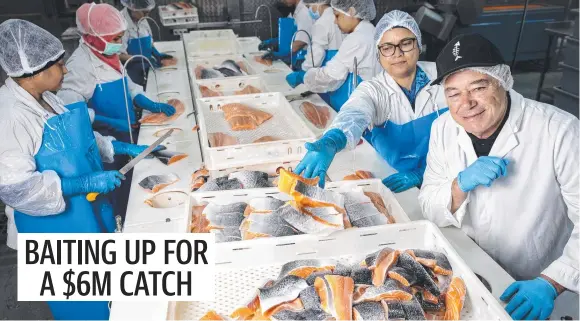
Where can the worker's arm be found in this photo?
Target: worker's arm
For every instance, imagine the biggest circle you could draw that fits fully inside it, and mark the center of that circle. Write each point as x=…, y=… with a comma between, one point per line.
x=439, y=187
x=317, y=50
x=124, y=57
x=564, y=271
x=359, y=111
x=22, y=187
x=297, y=46
x=79, y=83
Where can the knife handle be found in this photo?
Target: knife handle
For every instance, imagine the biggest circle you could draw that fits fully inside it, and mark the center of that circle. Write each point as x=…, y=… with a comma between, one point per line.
x=91, y=197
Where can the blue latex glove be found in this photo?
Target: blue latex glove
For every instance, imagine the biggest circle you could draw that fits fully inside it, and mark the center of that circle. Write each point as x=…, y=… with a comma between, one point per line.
x=98, y=182
x=320, y=154
x=401, y=182
x=160, y=55
x=266, y=43
x=530, y=300
x=483, y=171
x=146, y=103
x=118, y=124
x=132, y=150
x=296, y=78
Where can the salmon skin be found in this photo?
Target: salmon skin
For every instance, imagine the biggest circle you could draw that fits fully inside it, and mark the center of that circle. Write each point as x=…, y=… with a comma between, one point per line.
x=428, y=306
x=207, y=73
x=308, y=314
x=377, y=200
x=317, y=115
x=249, y=89
x=303, y=268
x=263, y=205
x=155, y=183
x=221, y=184
x=310, y=298
x=161, y=118
x=435, y=260
x=374, y=311
x=362, y=275
x=402, y=275
x=405, y=310
x=285, y=289
x=306, y=222
x=221, y=139
x=313, y=196
x=287, y=180
x=454, y=299
x=207, y=92
x=251, y=179
x=390, y=290
x=422, y=277
x=262, y=61
x=242, y=117
x=336, y=295
x=227, y=235
x=169, y=157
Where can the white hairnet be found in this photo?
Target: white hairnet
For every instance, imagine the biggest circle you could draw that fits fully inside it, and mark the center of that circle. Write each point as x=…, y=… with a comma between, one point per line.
x=501, y=73
x=316, y=1
x=100, y=20
x=397, y=18
x=26, y=48
x=139, y=5
x=365, y=9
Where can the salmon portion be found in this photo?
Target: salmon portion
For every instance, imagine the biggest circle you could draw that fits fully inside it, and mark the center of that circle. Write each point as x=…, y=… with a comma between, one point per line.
x=336, y=295
x=249, y=89
x=386, y=259
x=391, y=290
x=454, y=299
x=262, y=61
x=176, y=158
x=242, y=66
x=317, y=115
x=211, y=315
x=243, y=313
x=359, y=175
x=221, y=139
x=266, y=139
x=305, y=272
x=161, y=118
x=288, y=179
x=206, y=92
x=199, y=223
x=169, y=62
x=380, y=205
x=242, y=117
x=294, y=305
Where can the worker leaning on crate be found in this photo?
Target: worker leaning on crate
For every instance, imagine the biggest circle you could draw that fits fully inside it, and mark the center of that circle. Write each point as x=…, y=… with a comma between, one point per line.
x=138, y=39
x=504, y=169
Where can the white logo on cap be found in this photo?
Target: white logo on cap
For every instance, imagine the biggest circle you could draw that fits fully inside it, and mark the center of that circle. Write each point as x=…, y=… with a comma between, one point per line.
x=455, y=51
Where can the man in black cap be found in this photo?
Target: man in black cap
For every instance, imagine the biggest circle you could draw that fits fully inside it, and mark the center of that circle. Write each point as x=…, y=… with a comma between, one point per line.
x=504, y=169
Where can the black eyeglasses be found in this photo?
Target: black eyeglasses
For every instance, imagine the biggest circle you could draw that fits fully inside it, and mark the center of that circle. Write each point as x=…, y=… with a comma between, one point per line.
x=405, y=45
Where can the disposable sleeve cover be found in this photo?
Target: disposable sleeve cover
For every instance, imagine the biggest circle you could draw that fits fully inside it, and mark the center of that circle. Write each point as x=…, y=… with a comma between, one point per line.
x=21, y=185
x=105, y=147
x=332, y=76
x=319, y=46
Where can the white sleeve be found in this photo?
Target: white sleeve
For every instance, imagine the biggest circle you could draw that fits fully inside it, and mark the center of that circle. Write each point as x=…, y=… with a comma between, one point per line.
x=332, y=76
x=78, y=85
x=135, y=89
x=125, y=43
x=358, y=112
x=303, y=22
x=319, y=46
x=21, y=186
x=435, y=195
x=565, y=269
x=105, y=147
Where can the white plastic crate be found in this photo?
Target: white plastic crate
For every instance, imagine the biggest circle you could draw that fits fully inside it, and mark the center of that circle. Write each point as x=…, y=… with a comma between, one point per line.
x=211, y=62
x=217, y=33
x=270, y=169
x=241, y=270
x=171, y=15
x=228, y=86
x=284, y=124
x=208, y=47
x=248, y=44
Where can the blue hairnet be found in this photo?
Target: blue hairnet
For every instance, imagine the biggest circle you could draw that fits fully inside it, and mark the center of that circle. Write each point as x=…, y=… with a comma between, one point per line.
x=394, y=19
x=139, y=5
x=365, y=9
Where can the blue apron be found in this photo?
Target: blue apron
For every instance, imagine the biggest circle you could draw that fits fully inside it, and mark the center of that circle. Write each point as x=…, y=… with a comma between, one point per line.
x=69, y=148
x=338, y=97
x=286, y=30
x=137, y=69
x=405, y=146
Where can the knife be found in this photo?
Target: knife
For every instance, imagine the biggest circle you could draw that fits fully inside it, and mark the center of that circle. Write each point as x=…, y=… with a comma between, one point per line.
x=301, y=96
x=91, y=197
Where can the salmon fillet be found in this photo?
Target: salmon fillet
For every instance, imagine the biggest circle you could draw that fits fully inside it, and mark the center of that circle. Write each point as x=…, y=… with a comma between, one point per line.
x=380, y=205
x=243, y=313
x=266, y=62
x=161, y=118
x=221, y=139
x=242, y=66
x=242, y=117
x=294, y=305
x=358, y=175
x=249, y=89
x=336, y=295
x=317, y=115
x=168, y=62
x=211, y=315
x=454, y=299
x=386, y=259
x=266, y=139
x=206, y=92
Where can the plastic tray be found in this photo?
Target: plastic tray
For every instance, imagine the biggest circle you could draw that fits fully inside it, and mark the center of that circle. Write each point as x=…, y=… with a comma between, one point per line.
x=266, y=168
x=248, y=44
x=208, y=47
x=241, y=270
x=217, y=33
x=171, y=17
x=285, y=124
x=228, y=86
x=277, y=72
x=210, y=62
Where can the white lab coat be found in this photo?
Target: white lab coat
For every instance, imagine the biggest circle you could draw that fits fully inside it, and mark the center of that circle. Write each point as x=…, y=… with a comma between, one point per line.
x=134, y=32
x=303, y=22
x=359, y=44
x=21, y=128
x=380, y=99
x=85, y=72
x=325, y=36
x=526, y=221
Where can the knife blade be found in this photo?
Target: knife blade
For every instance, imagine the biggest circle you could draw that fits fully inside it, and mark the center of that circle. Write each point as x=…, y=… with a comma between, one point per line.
x=91, y=197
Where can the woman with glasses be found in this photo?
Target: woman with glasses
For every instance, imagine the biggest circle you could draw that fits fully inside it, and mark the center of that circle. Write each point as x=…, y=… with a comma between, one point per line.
x=353, y=18
x=398, y=104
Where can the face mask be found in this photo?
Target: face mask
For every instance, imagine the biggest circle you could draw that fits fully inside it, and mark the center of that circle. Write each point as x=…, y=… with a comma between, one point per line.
x=313, y=14
x=112, y=48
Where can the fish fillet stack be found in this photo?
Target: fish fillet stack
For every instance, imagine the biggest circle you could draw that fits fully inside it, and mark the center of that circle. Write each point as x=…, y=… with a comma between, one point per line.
x=237, y=180
x=242, y=117
x=389, y=284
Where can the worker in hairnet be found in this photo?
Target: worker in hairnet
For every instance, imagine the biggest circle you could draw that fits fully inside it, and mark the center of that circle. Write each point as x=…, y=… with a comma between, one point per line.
x=50, y=158
x=302, y=20
x=96, y=76
x=399, y=103
x=504, y=169
x=326, y=36
x=138, y=40
x=353, y=17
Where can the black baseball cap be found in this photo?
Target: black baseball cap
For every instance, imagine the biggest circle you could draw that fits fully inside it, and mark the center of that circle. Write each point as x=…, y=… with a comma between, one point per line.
x=466, y=50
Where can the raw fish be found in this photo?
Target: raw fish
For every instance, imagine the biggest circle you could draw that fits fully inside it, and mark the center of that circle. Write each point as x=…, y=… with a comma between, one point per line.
x=309, y=314
x=287, y=179
x=206, y=92
x=221, y=184
x=317, y=115
x=285, y=289
x=294, y=305
x=390, y=290
x=405, y=277
x=303, y=268
x=230, y=67
x=313, y=196
x=211, y=315
x=220, y=139
x=380, y=205
x=362, y=275
x=249, y=89
x=375, y=311
x=168, y=157
x=359, y=211
x=265, y=139
x=309, y=223
x=263, y=205
x=251, y=179
x=454, y=299
x=423, y=278
x=336, y=295
x=242, y=117
x=199, y=223
x=266, y=62
x=310, y=298
x=155, y=183
x=227, y=235
x=161, y=118
x=382, y=263
x=207, y=73
x=358, y=175
x=434, y=260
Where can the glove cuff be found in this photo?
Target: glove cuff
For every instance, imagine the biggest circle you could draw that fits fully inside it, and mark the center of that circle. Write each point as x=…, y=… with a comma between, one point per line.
x=119, y=147
x=71, y=186
x=461, y=187
x=337, y=139
x=550, y=285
